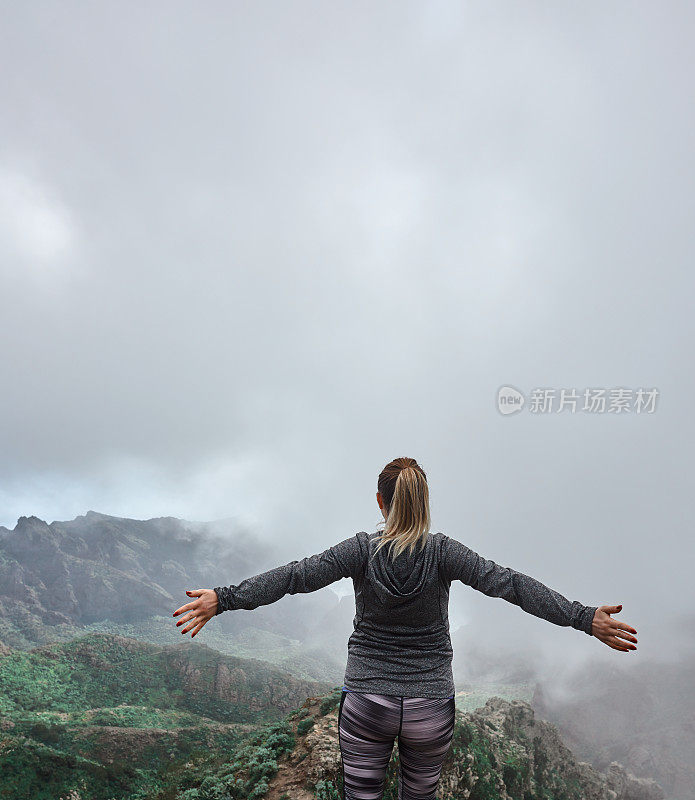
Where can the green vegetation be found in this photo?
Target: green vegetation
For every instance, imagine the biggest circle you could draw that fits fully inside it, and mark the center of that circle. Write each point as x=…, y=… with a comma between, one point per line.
x=247, y=777
x=305, y=726
x=327, y=790
x=272, y=648
x=332, y=701
x=108, y=718
x=103, y=672
x=113, y=718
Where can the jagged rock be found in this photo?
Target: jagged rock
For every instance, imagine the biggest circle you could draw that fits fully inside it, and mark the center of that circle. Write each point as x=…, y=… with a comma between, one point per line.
x=628, y=787
x=500, y=744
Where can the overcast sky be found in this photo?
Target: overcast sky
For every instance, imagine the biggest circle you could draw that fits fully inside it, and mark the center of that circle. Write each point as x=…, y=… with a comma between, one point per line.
x=251, y=252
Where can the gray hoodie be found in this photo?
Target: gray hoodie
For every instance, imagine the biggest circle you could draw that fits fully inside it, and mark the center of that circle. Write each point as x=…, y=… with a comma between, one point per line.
x=400, y=644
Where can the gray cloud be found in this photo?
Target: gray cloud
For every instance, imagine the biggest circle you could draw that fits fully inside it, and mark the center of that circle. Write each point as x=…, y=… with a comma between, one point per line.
x=250, y=253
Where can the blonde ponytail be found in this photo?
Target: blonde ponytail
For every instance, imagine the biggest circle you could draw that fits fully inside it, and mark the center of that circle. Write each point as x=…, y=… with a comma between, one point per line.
x=404, y=490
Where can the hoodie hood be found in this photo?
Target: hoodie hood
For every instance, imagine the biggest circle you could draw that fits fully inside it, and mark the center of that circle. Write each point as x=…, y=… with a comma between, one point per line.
x=399, y=581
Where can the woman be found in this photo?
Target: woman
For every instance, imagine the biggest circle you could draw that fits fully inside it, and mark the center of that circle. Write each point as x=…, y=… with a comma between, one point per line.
x=398, y=680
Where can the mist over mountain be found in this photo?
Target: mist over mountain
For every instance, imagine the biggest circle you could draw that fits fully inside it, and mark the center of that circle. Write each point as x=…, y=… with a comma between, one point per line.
x=98, y=566
x=639, y=714
x=114, y=576
x=100, y=572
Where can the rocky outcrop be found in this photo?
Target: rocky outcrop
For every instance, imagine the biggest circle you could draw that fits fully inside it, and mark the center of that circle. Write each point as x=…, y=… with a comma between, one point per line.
x=641, y=715
x=500, y=750
x=502, y=728
x=315, y=760
x=237, y=682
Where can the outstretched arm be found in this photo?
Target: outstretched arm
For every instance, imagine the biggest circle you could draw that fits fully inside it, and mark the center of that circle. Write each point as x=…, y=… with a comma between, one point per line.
x=461, y=563
x=343, y=560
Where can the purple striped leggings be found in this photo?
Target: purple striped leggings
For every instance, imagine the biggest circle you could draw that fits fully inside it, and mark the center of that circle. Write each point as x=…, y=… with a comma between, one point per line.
x=368, y=724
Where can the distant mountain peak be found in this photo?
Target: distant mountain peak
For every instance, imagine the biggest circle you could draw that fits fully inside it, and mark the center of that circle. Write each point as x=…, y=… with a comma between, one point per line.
x=30, y=521
x=93, y=515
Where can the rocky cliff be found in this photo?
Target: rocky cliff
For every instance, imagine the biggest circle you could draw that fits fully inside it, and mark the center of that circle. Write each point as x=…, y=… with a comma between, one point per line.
x=499, y=751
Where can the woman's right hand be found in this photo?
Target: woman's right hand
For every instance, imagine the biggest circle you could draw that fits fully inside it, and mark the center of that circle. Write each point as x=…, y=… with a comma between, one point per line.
x=612, y=632
x=199, y=611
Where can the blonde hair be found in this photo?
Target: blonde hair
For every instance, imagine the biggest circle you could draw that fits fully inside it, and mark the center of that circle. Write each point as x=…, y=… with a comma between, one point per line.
x=403, y=488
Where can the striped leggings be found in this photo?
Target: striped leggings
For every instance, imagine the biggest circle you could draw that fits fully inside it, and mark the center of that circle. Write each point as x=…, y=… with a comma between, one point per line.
x=368, y=724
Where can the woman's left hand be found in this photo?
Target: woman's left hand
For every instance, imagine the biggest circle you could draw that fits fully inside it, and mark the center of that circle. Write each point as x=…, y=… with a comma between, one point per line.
x=199, y=611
